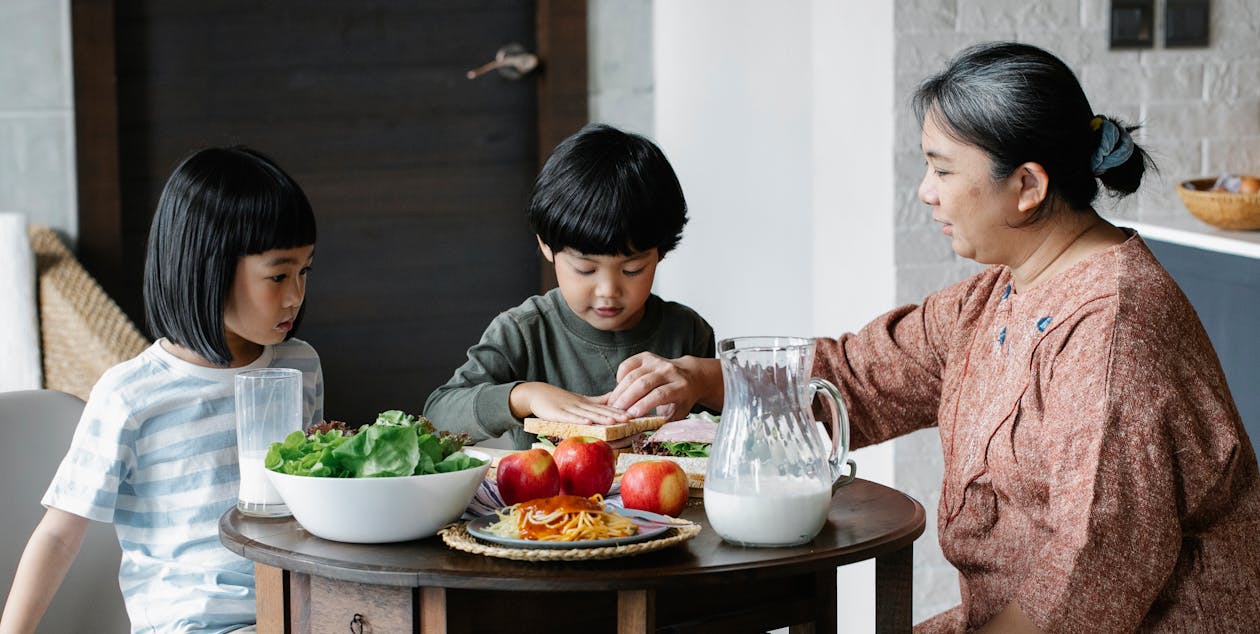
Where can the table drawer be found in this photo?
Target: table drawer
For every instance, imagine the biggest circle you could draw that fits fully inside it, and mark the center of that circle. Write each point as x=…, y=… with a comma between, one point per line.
x=337, y=607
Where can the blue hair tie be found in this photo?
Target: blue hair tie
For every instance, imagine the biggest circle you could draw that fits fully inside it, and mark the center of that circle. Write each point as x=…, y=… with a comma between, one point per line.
x=1115, y=146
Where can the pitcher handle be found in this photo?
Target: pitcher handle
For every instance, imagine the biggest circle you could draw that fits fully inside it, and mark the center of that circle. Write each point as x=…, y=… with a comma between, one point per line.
x=839, y=433
x=846, y=478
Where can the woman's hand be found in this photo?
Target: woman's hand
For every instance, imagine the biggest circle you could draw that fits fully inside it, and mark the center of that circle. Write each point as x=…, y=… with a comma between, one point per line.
x=551, y=403
x=670, y=386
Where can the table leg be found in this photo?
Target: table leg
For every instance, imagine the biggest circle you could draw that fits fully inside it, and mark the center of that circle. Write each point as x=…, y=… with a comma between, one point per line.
x=823, y=606
x=271, y=599
x=893, y=583
x=432, y=610
x=636, y=611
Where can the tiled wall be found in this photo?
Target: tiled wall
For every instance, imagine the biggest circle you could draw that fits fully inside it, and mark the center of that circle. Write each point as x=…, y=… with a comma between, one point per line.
x=37, y=175
x=1200, y=109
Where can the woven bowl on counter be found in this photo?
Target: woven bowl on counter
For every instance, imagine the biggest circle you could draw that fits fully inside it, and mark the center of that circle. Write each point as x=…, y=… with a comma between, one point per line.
x=1224, y=210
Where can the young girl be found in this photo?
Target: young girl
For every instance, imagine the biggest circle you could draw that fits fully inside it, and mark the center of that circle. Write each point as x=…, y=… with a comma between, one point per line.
x=155, y=452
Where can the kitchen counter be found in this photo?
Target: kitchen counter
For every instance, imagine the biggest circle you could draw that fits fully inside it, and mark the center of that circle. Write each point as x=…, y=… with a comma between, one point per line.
x=1186, y=230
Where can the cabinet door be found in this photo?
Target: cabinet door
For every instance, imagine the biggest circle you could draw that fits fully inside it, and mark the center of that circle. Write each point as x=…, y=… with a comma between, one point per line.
x=1225, y=291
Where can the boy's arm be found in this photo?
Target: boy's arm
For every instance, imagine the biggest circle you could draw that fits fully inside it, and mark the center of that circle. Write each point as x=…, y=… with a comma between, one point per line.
x=475, y=400
x=556, y=404
x=48, y=555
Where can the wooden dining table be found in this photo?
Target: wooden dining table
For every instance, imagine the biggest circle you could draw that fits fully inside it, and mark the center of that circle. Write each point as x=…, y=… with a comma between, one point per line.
x=306, y=584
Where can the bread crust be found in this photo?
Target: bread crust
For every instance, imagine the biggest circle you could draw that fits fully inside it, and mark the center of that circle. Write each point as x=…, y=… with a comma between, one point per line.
x=603, y=432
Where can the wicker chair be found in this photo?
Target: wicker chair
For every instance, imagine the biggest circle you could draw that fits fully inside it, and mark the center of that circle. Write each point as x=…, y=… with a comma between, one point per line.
x=83, y=331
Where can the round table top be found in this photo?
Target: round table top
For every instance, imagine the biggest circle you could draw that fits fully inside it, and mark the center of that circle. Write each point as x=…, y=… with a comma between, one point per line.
x=866, y=520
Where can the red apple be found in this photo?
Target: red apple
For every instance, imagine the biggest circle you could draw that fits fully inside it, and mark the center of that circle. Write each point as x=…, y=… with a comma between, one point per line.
x=658, y=486
x=527, y=475
x=587, y=466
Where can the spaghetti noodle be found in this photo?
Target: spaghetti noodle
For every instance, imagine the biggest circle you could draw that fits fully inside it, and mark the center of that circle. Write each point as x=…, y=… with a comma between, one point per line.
x=563, y=518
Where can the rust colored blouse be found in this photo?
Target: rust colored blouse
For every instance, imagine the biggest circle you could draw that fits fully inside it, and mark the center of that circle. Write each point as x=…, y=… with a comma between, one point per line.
x=1096, y=469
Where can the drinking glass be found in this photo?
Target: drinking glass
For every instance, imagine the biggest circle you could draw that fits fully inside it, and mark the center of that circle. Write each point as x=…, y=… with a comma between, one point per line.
x=268, y=408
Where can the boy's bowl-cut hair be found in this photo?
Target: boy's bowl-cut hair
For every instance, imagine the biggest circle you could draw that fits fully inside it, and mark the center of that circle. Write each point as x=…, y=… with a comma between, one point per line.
x=606, y=192
x=219, y=205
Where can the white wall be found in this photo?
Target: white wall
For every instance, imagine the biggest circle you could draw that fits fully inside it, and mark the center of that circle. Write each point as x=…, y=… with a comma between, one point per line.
x=778, y=118
x=733, y=97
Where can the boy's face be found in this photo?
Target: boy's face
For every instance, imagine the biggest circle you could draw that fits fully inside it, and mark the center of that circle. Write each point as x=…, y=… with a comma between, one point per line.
x=606, y=291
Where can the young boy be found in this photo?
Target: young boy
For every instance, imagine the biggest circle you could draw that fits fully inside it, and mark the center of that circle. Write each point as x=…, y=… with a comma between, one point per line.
x=606, y=209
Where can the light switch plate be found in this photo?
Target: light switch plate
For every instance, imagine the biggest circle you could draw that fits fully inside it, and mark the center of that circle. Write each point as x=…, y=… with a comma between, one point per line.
x=1132, y=23
x=1186, y=23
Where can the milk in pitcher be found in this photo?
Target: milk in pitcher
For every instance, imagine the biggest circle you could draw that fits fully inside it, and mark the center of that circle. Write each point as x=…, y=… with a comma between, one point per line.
x=781, y=511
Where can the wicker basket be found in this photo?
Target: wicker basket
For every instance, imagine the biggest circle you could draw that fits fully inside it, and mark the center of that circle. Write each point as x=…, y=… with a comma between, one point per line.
x=1221, y=209
x=83, y=331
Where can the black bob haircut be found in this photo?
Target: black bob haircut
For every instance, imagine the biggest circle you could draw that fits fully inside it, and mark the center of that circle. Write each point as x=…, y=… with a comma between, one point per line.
x=608, y=192
x=219, y=205
x=1019, y=104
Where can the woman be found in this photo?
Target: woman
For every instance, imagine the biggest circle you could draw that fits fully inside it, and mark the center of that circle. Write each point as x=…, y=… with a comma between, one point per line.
x=1097, y=475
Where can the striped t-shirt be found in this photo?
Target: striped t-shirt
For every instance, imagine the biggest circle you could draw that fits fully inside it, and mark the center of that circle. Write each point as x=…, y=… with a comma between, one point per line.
x=155, y=454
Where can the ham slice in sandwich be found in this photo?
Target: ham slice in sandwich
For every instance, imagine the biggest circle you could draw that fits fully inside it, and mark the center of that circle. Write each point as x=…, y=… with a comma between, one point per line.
x=685, y=441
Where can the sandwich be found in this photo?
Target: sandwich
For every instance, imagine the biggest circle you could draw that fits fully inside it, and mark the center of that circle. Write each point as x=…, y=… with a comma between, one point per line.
x=686, y=442
x=620, y=436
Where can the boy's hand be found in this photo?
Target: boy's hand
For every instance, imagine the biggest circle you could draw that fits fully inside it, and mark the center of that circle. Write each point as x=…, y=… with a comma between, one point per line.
x=552, y=403
x=670, y=386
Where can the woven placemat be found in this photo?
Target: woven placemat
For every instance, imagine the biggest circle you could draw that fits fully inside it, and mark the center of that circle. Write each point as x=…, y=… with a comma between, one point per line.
x=456, y=536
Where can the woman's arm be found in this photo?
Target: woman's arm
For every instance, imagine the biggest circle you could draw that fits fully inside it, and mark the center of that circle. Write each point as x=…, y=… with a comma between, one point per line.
x=672, y=386
x=1010, y=620
x=48, y=555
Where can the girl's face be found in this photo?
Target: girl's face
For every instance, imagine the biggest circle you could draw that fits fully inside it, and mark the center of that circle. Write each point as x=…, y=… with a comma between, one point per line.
x=978, y=213
x=606, y=291
x=266, y=294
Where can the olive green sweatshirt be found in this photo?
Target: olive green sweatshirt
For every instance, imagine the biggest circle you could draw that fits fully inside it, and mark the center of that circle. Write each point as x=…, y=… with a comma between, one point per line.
x=543, y=340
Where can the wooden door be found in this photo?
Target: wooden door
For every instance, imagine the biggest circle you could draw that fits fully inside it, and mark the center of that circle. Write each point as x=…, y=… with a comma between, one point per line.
x=418, y=175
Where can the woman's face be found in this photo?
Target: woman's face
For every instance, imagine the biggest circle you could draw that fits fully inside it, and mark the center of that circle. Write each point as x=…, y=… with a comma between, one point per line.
x=978, y=213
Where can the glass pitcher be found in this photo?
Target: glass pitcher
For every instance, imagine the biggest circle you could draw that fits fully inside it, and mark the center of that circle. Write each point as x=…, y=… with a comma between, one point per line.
x=771, y=474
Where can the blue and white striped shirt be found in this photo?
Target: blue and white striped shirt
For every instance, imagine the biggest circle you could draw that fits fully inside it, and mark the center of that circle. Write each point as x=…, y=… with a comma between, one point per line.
x=155, y=454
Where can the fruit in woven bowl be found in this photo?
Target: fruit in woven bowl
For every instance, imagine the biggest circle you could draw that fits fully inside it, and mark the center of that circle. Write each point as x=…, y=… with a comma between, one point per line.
x=394, y=480
x=1228, y=202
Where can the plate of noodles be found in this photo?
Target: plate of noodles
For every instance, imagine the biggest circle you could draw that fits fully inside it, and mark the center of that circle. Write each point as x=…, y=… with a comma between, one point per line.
x=567, y=521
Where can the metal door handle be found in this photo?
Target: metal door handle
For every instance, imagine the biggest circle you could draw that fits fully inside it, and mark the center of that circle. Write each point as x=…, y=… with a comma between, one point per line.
x=512, y=61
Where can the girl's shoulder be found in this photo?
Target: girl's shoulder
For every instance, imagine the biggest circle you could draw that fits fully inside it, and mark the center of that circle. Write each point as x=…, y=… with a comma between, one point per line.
x=140, y=370
x=294, y=348
x=297, y=354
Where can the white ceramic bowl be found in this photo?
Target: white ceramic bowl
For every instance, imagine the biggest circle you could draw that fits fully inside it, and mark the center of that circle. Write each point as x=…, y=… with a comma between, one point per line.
x=378, y=510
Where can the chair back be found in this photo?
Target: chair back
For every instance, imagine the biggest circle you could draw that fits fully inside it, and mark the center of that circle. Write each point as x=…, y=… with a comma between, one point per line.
x=35, y=431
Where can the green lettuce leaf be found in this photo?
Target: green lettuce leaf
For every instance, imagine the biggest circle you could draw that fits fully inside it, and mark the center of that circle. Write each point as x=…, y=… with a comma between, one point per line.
x=396, y=444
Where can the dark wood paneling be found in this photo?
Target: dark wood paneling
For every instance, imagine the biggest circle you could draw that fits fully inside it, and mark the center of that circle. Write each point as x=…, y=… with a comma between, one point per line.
x=418, y=176
x=100, y=243
x=562, y=105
